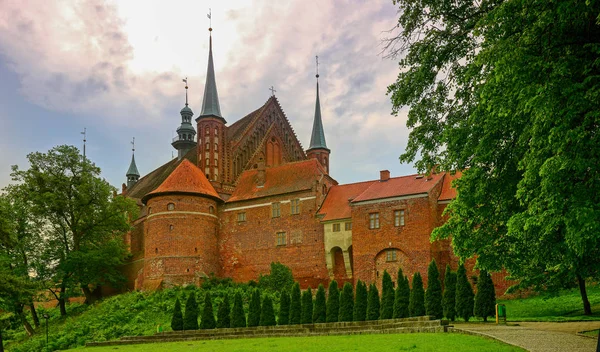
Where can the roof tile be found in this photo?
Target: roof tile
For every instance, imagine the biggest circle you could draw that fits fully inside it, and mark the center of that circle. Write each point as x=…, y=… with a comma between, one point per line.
x=186, y=178
x=337, y=204
x=399, y=186
x=449, y=192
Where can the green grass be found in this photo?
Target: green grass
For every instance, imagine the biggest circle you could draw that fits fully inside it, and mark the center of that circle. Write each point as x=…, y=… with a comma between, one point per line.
x=591, y=333
x=399, y=342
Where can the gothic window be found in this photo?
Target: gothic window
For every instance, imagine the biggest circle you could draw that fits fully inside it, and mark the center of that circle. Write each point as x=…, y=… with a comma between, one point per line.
x=216, y=131
x=399, y=218
x=206, y=132
x=170, y=206
x=374, y=220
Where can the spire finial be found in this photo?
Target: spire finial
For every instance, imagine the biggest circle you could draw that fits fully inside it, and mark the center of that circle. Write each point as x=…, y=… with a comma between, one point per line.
x=84, y=133
x=317, y=57
x=133, y=145
x=209, y=15
x=186, y=88
x=272, y=91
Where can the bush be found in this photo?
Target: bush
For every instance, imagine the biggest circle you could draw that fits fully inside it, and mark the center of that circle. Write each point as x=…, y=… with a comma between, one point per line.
x=464, y=294
x=346, y=303
x=387, y=296
x=333, y=302
x=401, y=297
x=416, y=305
x=238, y=317
x=360, y=305
x=296, y=306
x=267, y=314
x=485, y=299
x=307, y=307
x=280, y=278
x=284, y=308
x=208, y=315
x=449, y=299
x=433, y=295
x=254, y=309
x=224, y=313
x=373, y=305
x=320, y=310
x=190, y=320
x=177, y=320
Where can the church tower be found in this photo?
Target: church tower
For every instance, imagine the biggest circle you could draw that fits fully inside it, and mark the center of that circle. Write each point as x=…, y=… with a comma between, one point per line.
x=186, y=134
x=133, y=175
x=318, y=148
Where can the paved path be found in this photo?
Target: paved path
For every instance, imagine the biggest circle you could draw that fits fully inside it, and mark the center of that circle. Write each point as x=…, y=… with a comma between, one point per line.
x=539, y=337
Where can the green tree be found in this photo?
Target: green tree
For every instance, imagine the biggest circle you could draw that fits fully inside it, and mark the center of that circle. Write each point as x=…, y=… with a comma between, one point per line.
x=177, y=319
x=373, y=304
x=464, y=294
x=333, y=302
x=254, y=309
x=267, y=314
x=387, y=296
x=401, y=297
x=360, y=305
x=296, y=305
x=449, y=299
x=307, y=307
x=346, y=303
x=433, y=295
x=507, y=92
x=416, y=305
x=208, y=315
x=485, y=298
x=284, y=308
x=238, y=317
x=320, y=310
x=224, y=313
x=190, y=318
x=280, y=278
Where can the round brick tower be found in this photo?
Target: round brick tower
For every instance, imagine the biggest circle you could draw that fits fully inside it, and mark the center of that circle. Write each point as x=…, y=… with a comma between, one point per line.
x=181, y=229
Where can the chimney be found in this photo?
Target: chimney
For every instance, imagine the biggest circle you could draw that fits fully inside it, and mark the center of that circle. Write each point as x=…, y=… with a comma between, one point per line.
x=384, y=175
x=123, y=189
x=261, y=176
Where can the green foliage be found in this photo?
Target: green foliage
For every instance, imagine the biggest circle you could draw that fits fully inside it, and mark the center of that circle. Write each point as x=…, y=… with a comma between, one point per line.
x=387, y=296
x=224, y=313
x=433, y=295
x=401, y=296
x=346, y=303
x=373, y=304
x=449, y=299
x=208, y=315
x=284, y=308
x=416, y=305
x=464, y=294
x=333, y=302
x=485, y=299
x=177, y=320
x=320, y=310
x=307, y=307
x=254, y=309
x=296, y=305
x=190, y=319
x=238, y=317
x=280, y=278
x=267, y=314
x=360, y=305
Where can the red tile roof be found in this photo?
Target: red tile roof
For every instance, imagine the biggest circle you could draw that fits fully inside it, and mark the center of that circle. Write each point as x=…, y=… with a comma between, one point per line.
x=399, y=186
x=449, y=192
x=186, y=178
x=286, y=178
x=337, y=203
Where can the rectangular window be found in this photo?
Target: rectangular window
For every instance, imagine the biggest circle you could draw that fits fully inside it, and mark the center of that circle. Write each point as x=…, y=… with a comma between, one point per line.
x=336, y=227
x=295, y=206
x=390, y=255
x=281, y=239
x=399, y=218
x=276, y=210
x=374, y=220
x=348, y=226
x=241, y=217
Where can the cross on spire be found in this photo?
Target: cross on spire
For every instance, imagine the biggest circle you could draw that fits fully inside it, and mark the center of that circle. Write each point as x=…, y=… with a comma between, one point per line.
x=209, y=15
x=133, y=145
x=186, y=88
x=84, y=133
x=317, y=57
x=272, y=91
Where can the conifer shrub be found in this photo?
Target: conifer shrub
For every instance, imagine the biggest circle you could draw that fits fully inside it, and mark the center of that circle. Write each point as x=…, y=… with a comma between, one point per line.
x=416, y=304
x=449, y=298
x=284, y=308
x=296, y=305
x=177, y=320
x=320, y=309
x=346, y=303
x=464, y=294
x=373, y=304
x=333, y=302
x=190, y=318
x=360, y=304
x=485, y=298
x=387, y=296
x=401, y=296
x=224, y=313
x=307, y=307
x=238, y=317
x=254, y=309
x=433, y=295
x=267, y=314
x=208, y=315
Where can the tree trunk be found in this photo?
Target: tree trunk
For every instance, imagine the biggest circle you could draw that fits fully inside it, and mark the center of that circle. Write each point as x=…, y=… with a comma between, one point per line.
x=91, y=297
x=24, y=321
x=1, y=343
x=62, y=304
x=587, y=308
x=36, y=319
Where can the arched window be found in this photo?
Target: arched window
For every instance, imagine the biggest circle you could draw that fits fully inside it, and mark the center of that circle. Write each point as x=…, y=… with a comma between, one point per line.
x=207, y=147
x=207, y=131
x=216, y=147
x=216, y=160
x=211, y=210
x=216, y=131
x=170, y=206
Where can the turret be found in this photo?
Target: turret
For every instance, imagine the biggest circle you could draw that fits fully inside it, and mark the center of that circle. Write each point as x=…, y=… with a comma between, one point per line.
x=318, y=148
x=186, y=135
x=133, y=175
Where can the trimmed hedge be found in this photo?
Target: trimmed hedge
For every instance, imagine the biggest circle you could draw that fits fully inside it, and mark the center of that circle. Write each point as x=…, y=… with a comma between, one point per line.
x=416, y=305
x=320, y=309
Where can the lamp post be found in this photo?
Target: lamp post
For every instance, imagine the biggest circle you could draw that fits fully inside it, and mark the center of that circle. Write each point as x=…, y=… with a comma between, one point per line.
x=46, y=316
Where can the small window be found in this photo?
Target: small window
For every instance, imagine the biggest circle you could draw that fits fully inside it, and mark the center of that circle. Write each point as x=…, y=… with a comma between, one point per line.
x=276, y=207
x=207, y=147
x=399, y=218
x=206, y=132
x=348, y=226
x=216, y=161
x=390, y=255
x=295, y=206
x=216, y=147
x=241, y=217
x=170, y=206
x=216, y=131
x=211, y=210
x=374, y=220
x=171, y=227
x=281, y=239
x=336, y=227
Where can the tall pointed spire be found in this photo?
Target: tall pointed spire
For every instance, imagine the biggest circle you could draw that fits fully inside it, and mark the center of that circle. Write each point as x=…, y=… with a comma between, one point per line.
x=210, y=103
x=317, y=139
x=133, y=175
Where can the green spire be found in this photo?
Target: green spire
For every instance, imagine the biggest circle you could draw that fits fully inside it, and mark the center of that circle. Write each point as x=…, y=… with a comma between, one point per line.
x=133, y=175
x=317, y=139
x=133, y=171
x=210, y=103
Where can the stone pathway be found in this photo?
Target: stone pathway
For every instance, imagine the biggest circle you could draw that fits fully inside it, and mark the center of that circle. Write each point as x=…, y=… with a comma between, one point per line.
x=538, y=337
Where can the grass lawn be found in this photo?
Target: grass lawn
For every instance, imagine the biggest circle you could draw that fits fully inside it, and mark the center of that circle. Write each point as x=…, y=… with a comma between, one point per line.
x=397, y=342
x=593, y=333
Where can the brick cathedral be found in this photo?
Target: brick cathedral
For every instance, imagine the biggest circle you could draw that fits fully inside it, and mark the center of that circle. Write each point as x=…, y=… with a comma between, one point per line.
x=240, y=196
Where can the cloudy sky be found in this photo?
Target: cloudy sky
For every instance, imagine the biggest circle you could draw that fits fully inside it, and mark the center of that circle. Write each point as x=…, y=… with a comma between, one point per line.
x=116, y=69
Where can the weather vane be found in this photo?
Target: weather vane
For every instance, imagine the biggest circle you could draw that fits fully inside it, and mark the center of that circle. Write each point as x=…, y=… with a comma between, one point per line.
x=209, y=15
x=133, y=145
x=84, y=133
x=186, y=88
x=272, y=89
x=317, y=57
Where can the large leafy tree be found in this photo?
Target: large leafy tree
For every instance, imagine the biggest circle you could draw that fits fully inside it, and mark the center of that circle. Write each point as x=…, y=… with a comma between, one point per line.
x=509, y=92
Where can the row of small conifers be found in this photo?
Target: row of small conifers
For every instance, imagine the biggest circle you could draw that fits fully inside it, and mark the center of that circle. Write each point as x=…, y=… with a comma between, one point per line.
x=456, y=300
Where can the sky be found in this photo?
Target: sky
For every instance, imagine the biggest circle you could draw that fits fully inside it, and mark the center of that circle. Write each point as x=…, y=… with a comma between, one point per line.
x=115, y=68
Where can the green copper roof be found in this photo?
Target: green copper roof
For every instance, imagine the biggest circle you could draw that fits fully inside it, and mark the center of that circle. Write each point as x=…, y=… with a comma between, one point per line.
x=210, y=104
x=317, y=139
x=133, y=171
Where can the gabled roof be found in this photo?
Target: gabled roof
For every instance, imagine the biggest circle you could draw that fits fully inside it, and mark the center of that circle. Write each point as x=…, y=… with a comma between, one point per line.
x=317, y=138
x=186, y=178
x=449, y=192
x=337, y=203
x=235, y=131
x=286, y=178
x=399, y=186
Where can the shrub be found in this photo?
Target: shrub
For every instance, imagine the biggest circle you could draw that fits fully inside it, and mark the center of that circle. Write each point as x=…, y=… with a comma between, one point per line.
x=267, y=314
x=280, y=278
x=177, y=320
x=238, y=317
x=346, y=303
x=449, y=299
x=208, y=315
x=320, y=310
x=333, y=302
x=401, y=297
x=307, y=307
x=387, y=296
x=190, y=319
x=416, y=305
x=360, y=306
x=284, y=308
x=485, y=299
x=373, y=305
x=464, y=294
x=433, y=295
x=254, y=309
x=224, y=313
x=296, y=305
